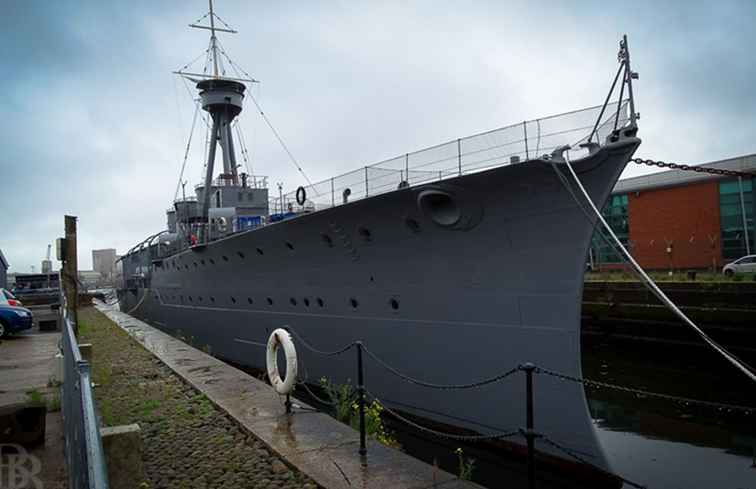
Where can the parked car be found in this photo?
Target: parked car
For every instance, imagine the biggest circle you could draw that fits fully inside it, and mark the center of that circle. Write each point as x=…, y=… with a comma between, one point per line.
x=14, y=319
x=6, y=297
x=747, y=264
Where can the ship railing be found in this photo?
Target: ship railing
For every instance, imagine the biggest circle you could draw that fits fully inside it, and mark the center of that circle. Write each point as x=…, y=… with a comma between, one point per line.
x=85, y=458
x=504, y=146
x=252, y=181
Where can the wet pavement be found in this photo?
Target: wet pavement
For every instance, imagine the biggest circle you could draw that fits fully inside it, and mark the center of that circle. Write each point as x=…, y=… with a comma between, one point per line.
x=27, y=362
x=312, y=442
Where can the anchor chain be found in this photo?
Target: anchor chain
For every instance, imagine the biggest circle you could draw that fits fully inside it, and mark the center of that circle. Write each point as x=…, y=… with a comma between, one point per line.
x=694, y=168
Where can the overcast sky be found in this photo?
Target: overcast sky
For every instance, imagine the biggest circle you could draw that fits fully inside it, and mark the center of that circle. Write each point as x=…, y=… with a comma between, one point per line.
x=95, y=125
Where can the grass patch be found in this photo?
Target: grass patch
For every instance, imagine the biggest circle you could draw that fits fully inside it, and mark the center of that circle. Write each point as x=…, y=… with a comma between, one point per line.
x=345, y=408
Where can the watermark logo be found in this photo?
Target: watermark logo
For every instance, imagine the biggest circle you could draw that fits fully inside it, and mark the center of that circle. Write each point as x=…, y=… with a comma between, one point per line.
x=18, y=468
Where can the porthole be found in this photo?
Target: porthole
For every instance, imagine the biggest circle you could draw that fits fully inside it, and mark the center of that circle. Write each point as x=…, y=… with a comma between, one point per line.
x=199, y=298
x=212, y=262
x=241, y=255
x=249, y=300
x=233, y=300
x=190, y=299
x=293, y=301
x=195, y=264
x=270, y=301
x=186, y=267
x=260, y=251
x=202, y=262
x=320, y=302
x=412, y=224
x=365, y=234
x=290, y=245
x=353, y=302
x=327, y=240
x=306, y=302
x=212, y=299
x=394, y=304
x=225, y=258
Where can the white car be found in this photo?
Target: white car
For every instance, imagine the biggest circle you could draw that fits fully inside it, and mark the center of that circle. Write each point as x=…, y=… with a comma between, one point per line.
x=747, y=264
x=8, y=299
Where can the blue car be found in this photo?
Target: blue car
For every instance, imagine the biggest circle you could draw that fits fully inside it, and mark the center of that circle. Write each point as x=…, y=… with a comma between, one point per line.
x=14, y=319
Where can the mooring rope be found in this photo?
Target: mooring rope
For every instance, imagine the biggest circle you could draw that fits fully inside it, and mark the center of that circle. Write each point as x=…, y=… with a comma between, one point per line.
x=144, y=296
x=650, y=284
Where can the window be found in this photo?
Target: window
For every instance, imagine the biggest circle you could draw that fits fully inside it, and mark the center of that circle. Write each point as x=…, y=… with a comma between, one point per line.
x=731, y=218
x=616, y=215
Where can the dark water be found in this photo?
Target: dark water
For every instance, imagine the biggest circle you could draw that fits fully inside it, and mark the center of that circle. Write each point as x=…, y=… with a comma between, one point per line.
x=657, y=443
x=666, y=444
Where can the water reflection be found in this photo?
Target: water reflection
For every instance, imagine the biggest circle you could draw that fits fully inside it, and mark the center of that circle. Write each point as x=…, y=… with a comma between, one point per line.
x=667, y=444
x=657, y=443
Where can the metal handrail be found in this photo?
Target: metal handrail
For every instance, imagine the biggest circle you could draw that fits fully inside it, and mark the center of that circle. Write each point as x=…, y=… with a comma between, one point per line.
x=84, y=454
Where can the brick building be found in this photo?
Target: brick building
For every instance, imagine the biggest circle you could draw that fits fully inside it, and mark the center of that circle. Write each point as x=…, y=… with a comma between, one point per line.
x=682, y=220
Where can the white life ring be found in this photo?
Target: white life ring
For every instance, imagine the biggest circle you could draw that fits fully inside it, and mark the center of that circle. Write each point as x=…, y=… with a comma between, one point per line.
x=281, y=337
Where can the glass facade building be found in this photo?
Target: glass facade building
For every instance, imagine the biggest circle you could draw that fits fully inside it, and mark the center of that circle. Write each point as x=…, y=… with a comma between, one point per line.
x=616, y=215
x=731, y=217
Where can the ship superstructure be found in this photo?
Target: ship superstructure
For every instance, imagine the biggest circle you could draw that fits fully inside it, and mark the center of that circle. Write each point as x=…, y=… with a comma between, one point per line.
x=451, y=263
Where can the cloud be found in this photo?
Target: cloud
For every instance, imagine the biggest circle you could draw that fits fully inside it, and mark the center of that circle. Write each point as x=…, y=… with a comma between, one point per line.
x=95, y=124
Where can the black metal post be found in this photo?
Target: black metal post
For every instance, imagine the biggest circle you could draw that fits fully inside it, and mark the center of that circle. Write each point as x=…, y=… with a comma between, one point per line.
x=361, y=400
x=288, y=404
x=530, y=435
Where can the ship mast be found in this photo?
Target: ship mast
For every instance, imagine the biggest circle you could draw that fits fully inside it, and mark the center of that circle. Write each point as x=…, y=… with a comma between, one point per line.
x=222, y=97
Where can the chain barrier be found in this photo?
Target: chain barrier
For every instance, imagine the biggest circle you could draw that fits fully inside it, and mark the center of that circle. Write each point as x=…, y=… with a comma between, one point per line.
x=666, y=397
x=512, y=371
x=315, y=350
x=694, y=168
x=315, y=396
x=580, y=459
x=441, y=434
x=412, y=380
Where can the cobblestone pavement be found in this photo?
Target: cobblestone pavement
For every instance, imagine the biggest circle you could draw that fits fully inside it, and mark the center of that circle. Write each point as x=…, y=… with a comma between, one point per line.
x=188, y=442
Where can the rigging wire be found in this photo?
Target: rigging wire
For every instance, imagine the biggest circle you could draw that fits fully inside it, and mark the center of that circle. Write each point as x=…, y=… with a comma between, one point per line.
x=281, y=141
x=294, y=161
x=186, y=152
x=243, y=147
x=742, y=366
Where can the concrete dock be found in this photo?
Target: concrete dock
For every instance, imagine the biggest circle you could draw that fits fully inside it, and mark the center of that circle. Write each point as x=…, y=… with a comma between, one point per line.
x=312, y=442
x=27, y=369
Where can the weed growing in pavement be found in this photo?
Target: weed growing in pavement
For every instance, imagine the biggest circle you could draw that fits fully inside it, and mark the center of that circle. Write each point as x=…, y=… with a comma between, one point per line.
x=35, y=397
x=373, y=423
x=466, y=465
x=148, y=406
x=341, y=397
x=53, y=402
x=346, y=410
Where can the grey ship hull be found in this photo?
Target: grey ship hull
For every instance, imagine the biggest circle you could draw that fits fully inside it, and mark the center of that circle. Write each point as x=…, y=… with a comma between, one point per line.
x=501, y=288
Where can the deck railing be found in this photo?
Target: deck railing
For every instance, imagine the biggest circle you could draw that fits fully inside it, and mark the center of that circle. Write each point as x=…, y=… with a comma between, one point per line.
x=507, y=145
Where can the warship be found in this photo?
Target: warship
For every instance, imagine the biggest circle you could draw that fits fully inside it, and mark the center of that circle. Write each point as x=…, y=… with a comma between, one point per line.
x=452, y=263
